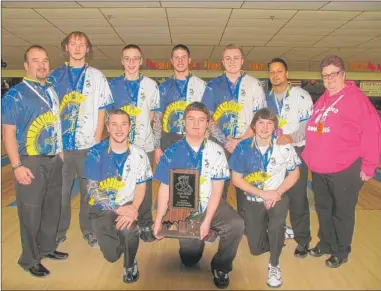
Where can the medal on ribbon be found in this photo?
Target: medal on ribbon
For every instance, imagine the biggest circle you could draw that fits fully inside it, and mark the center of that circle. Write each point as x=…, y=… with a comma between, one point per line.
x=278, y=132
x=320, y=127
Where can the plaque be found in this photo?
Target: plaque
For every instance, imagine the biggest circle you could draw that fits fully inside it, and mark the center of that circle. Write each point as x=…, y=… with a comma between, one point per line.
x=183, y=201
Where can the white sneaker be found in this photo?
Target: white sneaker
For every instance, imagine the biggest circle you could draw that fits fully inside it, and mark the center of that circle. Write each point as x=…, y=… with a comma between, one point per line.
x=274, y=277
x=288, y=232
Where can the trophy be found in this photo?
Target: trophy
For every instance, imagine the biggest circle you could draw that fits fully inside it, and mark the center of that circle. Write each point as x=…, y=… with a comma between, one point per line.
x=183, y=201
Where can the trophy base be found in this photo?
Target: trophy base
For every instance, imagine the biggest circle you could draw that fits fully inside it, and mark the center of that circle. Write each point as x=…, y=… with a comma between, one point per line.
x=177, y=234
x=189, y=230
x=181, y=229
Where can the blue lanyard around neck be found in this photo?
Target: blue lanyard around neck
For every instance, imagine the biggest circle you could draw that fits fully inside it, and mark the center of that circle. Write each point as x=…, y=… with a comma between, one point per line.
x=43, y=94
x=279, y=104
x=74, y=85
x=183, y=91
x=235, y=91
x=133, y=94
x=266, y=157
x=196, y=158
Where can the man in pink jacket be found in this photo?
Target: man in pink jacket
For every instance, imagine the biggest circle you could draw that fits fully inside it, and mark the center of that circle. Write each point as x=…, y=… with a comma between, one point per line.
x=342, y=151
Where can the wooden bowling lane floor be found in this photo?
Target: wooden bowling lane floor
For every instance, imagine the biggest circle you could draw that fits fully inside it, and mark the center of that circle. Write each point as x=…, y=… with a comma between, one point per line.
x=160, y=267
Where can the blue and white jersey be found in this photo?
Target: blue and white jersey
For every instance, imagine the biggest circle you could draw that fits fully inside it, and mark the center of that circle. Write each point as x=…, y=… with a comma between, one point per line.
x=82, y=93
x=117, y=174
x=266, y=170
x=210, y=160
x=137, y=98
x=293, y=109
x=34, y=110
x=175, y=96
x=233, y=105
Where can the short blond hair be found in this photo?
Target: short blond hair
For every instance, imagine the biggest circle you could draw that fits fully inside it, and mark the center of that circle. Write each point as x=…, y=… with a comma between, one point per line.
x=232, y=46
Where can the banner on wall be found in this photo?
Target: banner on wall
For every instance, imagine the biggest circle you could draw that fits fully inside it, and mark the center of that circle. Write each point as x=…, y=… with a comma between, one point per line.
x=371, y=88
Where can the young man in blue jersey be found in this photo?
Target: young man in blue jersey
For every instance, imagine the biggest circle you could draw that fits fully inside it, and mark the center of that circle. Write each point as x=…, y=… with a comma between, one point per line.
x=232, y=99
x=84, y=95
x=176, y=93
x=138, y=96
x=32, y=138
x=259, y=167
x=117, y=172
x=293, y=107
x=194, y=151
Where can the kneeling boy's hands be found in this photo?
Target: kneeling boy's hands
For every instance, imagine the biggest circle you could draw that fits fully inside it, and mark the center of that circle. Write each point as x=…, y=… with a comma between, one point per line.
x=128, y=210
x=204, y=229
x=123, y=222
x=156, y=228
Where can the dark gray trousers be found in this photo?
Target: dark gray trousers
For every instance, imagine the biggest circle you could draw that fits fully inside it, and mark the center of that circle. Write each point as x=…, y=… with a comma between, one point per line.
x=113, y=242
x=145, y=210
x=74, y=163
x=38, y=206
x=265, y=228
x=299, y=206
x=229, y=226
x=336, y=197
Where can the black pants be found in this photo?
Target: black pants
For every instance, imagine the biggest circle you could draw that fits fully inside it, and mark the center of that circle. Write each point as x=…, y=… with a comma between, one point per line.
x=145, y=210
x=38, y=206
x=229, y=226
x=336, y=197
x=113, y=242
x=74, y=163
x=299, y=206
x=265, y=228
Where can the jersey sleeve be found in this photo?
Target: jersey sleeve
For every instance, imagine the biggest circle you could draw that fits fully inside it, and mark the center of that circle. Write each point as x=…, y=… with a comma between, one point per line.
x=144, y=170
x=9, y=111
x=92, y=165
x=220, y=167
x=208, y=98
x=105, y=95
x=162, y=170
x=237, y=160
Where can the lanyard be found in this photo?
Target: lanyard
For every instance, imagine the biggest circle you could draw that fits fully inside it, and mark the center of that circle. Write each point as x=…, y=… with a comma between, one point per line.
x=120, y=167
x=196, y=159
x=183, y=91
x=234, y=93
x=265, y=158
x=133, y=94
x=49, y=103
x=279, y=104
x=328, y=110
x=74, y=86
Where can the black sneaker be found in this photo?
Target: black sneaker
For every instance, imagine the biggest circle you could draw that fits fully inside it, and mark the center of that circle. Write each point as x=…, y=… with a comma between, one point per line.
x=301, y=251
x=146, y=234
x=335, y=262
x=221, y=279
x=91, y=240
x=316, y=252
x=131, y=275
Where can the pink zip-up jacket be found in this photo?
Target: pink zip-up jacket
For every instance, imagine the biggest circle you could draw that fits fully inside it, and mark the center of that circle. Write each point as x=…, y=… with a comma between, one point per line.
x=351, y=130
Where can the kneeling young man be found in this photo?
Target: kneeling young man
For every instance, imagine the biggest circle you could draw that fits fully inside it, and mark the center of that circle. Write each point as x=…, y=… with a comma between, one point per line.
x=259, y=166
x=196, y=152
x=117, y=173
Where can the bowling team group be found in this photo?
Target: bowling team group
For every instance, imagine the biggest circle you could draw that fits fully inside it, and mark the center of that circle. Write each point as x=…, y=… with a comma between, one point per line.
x=229, y=129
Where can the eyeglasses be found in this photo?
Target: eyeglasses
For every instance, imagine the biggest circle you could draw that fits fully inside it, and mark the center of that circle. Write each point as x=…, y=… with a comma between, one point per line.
x=133, y=59
x=332, y=75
